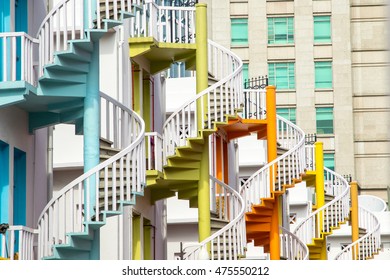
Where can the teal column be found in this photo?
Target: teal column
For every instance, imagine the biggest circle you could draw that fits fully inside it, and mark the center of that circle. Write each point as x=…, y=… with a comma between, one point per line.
x=92, y=122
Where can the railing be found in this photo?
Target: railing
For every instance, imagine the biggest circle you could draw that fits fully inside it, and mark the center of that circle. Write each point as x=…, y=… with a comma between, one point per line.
x=169, y=24
x=331, y=214
x=69, y=20
x=72, y=206
x=281, y=171
x=214, y=103
x=365, y=247
x=255, y=104
x=154, y=151
x=291, y=248
x=25, y=247
x=227, y=243
x=17, y=58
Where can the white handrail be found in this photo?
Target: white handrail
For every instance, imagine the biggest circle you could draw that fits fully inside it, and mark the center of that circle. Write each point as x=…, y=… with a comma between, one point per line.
x=215, y=103
x=367, y=245
x=229, y=241
x=25, y=237
x=331, y=214
x=17, y=66
x=291, y=247
x=69, y=210
x=168, y=24
x=154, y=151
x=283, y=169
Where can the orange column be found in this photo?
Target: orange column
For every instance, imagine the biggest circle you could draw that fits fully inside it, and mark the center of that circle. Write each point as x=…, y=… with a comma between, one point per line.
x=354, y=218
x=272, y=154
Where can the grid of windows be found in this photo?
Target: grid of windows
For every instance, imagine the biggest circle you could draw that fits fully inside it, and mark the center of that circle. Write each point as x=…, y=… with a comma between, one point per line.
x=282, y=75
x=323, y=74
x=287, y=113
x=322, y=29
x=329, y=161
x=239, y=31
x=324, y=120
x=281, y=30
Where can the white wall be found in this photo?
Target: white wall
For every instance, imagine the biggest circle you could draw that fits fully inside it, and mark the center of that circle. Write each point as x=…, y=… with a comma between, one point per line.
x=14, y=132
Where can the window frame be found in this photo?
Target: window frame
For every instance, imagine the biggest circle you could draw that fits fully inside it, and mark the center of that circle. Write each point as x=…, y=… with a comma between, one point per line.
x=323, y=130
x=273, y=75
x=321, y=66
x=319, y=38
x=240, y=41
x=286, y=37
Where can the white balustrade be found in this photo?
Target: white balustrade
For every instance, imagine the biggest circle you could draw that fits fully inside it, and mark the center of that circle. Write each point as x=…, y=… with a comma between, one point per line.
x=291, y=248
x=25, y=237
x=154, y=151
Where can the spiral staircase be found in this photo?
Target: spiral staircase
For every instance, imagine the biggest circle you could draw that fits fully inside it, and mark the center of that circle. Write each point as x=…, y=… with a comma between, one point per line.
x=70, y=222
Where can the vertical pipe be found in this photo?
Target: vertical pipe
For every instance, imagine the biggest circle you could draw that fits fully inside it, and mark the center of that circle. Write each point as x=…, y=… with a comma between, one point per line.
x=201, y=84
x=354, y=219
x=272, y=154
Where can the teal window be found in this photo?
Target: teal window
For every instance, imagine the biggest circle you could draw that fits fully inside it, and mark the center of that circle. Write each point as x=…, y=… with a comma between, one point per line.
x=287, y=113
x=322, y=29
x=282, y=75
x=329, y=161
x=324, y=120
x=245, y=72
x=323, y=74
x=281, y=30
x=239, y=31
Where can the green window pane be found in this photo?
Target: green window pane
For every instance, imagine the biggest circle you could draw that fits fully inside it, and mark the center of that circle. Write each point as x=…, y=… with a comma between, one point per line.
x=287, y=113
x=282, y=75
x=322, y=29
x=323, y=74
x=324, y=120
x=245, y=72
x=239, y=31
x=281, y=30
x=329, y=161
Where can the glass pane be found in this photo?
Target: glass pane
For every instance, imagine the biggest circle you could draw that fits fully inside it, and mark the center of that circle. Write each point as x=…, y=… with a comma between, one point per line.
x=322, y=29
x=323, y=74
x=239, y=31
x=324, y=120
x=329, y=161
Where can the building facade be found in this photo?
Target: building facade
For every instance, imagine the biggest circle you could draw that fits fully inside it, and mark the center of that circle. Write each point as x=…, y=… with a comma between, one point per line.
x=329, y=61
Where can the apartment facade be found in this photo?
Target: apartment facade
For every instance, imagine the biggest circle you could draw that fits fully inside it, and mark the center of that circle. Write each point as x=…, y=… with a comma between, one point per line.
x=329, y=62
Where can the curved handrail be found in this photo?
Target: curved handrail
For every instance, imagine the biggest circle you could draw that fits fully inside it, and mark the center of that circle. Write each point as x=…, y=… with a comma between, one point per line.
x=331, y=214
x=259, y=186
x=231, y=233
x=74, y=202
x=367, y=245
x=291, y=247
x=224, y=66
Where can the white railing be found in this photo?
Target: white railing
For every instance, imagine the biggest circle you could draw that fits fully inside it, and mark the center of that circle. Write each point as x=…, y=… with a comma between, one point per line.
x=310, y=157
x=279, y=172
x=291, y=248
x=168, y=24
x=68, y=211
x=229, y=242
x=369, y=244
x=69, y=20
x=331, y=214
x=255, y=104
x=214, y=103
x=17, y=66
x=154, y=151
x=25, y=237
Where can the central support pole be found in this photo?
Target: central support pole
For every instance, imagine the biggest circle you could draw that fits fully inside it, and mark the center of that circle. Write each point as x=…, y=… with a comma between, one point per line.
x=272, y=154
x=204, y=228
x=355, y=219
x=91, y=126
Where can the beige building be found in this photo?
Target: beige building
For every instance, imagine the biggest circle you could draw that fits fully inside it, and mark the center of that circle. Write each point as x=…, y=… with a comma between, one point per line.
x=329, y=61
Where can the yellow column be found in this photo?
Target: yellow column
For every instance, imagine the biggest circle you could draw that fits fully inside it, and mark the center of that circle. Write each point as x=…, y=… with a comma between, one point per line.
x=319, y=185
x=272, y=154
x=137, y=247
x=354, y=218
x=201, y=84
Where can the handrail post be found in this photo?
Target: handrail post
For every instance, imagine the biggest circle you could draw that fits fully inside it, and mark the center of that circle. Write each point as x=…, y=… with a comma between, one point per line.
x=354, y=219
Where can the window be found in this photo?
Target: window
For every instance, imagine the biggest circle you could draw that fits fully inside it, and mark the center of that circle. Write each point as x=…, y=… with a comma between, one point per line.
x=323, y=74
x=322, y=30
x=239, y=31
x=281, y=30
x=245, y=72
x=324, y=120
x=282, y=75
x=287, y=113
x=329, y=161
